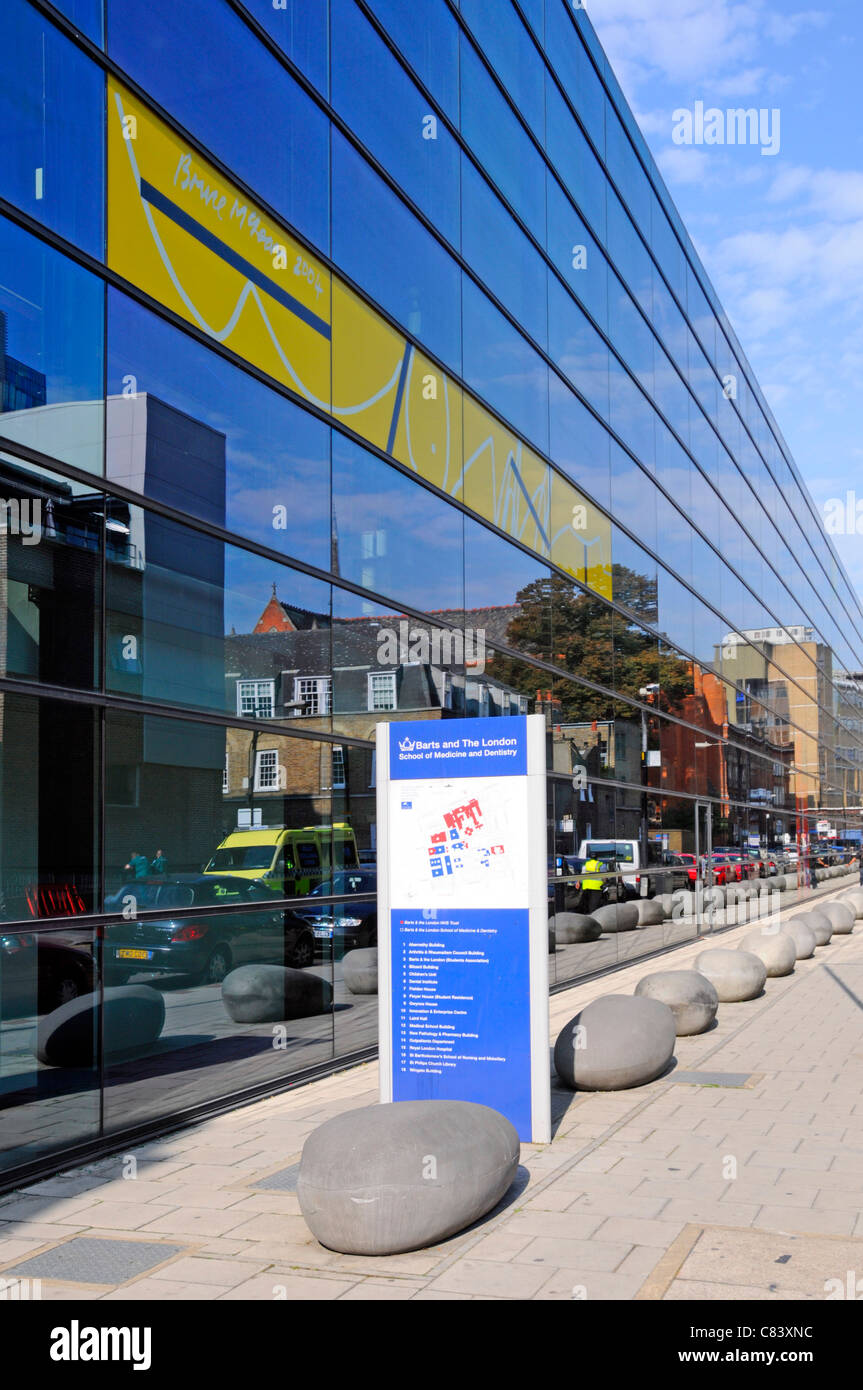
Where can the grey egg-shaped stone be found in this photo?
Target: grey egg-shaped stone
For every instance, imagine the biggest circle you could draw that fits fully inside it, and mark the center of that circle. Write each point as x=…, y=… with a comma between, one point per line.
x=615, y=1042
x=390, y=1178
x=573, y=927
x=779, y=882
x=689, y=995
x=774, y=948
x=667, y=901
x=650, y=912
x=841, y=916
x=132, y=1018
x=802, y=935
x=274, y=993
x=854, y=898
x=735, y=974
x=615, y=917
x=360, y=970
x=818, y=923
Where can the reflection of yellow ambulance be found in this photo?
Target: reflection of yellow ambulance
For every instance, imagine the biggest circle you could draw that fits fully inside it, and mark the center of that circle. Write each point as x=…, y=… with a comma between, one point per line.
x=291, y=861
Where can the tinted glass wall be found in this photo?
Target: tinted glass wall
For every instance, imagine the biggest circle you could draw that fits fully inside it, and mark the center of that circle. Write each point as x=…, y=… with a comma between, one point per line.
x=415, y=403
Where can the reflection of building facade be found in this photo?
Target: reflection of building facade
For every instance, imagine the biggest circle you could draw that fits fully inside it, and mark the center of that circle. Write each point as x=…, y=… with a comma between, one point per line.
x=784, y=691
x=276, y=673
x=432, y=413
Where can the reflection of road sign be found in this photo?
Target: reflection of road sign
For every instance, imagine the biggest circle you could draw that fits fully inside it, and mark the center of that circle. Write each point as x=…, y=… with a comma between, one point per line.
x=822, y=826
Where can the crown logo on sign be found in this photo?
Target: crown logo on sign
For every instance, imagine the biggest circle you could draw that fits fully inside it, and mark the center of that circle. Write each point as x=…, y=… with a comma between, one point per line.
x=406, y=745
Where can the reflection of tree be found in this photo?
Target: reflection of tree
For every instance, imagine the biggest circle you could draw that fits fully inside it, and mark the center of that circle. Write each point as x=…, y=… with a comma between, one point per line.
x=579, y=632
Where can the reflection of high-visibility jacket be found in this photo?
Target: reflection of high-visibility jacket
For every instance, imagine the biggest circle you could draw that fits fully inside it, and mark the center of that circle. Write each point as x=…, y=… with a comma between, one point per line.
x=592, y=866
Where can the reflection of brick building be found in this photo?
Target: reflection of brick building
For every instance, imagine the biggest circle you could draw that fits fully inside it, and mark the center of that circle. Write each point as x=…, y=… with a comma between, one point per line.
x=726, y=763
x=306, y=675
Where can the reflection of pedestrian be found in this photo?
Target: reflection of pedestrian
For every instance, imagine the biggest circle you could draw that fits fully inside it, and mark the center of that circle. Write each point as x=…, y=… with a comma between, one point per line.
x=137, y=864
x=860, y=865
x=592, y=888
x=160, y=863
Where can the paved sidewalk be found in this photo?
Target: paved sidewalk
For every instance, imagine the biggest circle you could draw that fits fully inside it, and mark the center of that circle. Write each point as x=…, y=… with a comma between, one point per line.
x=670, y=1191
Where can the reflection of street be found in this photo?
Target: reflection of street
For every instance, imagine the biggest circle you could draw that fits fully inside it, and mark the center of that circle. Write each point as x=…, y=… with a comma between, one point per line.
x=200, y=1054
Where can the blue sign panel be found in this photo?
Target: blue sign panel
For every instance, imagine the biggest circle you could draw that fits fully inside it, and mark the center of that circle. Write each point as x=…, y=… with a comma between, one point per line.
x=463, y=979
x=459, y=748
x=461, y=1009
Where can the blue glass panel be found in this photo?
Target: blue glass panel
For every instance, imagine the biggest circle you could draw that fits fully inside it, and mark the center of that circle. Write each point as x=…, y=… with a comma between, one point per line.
x=211, y=440
x=502, y=367
x=573, y=158
x=299, y=27
x=506, y=45
x=633, y=497
x=427, y=35
x=390, y=115
x=534, y=13
x=52, y=104
x=579, y=443
x=393, y=535
x=390, y=254
x=576, y=71
x=500, y=144
x=629, y=333
x=628, y=254
x=51, y=333
x=577, y=348
x=86, y=15
x=631, y=415
x=504, y=258
x=623, y=165
x=206, y=67
x=575, y=253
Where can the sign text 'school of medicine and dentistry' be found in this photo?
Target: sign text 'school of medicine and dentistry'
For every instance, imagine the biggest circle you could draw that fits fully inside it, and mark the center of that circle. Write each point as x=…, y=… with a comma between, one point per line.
x=462, y=913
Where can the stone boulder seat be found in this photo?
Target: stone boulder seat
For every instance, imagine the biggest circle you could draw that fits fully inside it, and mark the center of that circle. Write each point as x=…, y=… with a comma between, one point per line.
x=690, y=996
x=386, y=1179
x=736, y=975
x=615, y=1042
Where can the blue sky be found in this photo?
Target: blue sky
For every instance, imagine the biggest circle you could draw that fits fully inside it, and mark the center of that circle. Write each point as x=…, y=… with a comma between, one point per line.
x=780, y=236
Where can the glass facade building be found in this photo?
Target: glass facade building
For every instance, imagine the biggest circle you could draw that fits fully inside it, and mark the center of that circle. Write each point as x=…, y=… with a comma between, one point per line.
x=356, y=365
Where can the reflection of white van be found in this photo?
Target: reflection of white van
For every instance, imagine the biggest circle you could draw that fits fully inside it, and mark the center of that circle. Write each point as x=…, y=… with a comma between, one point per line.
x=625, y=855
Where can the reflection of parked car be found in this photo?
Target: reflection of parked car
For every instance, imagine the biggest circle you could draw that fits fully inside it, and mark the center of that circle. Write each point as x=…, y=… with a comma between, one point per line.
x=38, y=974
x=351, y=923
x=205, y=948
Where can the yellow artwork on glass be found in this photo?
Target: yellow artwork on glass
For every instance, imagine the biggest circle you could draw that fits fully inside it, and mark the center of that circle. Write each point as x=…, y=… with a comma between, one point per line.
x=188, y=237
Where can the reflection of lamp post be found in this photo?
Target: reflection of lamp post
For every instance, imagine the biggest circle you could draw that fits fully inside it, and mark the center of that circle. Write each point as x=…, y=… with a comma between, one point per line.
x=647, y=692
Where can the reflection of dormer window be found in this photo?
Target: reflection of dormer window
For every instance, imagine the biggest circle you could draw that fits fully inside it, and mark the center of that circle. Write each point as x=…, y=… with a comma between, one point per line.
x=314, y=694
x=382, y=690
x=255, y=699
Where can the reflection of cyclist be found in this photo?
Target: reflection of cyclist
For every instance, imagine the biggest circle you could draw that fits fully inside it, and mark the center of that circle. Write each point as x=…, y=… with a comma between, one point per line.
x=592, y=888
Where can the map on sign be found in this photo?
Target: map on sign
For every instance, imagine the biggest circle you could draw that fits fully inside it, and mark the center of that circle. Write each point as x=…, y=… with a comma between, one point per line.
x=452, y=848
